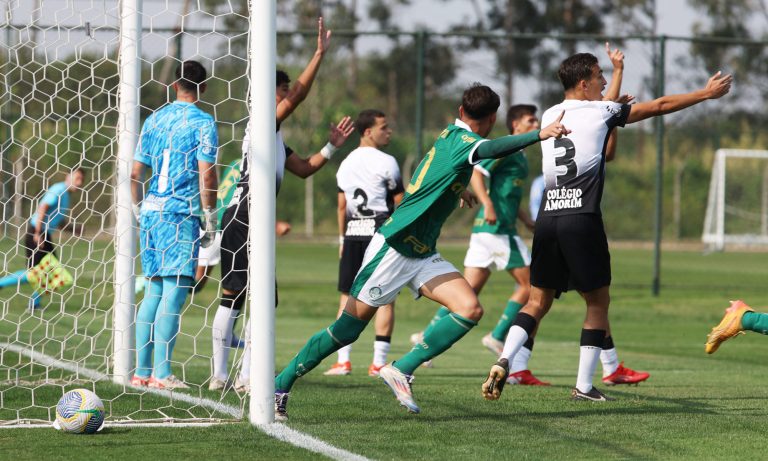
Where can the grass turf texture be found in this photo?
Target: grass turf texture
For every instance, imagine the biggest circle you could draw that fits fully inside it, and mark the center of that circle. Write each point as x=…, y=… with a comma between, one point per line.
x=693, y=407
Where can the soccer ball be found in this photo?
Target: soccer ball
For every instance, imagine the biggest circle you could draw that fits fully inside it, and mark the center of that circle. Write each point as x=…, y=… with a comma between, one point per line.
x=79, y=411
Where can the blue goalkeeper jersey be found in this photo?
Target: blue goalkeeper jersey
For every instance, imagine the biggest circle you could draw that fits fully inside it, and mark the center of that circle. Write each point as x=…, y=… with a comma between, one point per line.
x=57, y=199
x=172, y=140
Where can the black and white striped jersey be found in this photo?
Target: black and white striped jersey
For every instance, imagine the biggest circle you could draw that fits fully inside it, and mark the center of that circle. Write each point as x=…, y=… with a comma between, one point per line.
x=369, y=179
x=574, y=165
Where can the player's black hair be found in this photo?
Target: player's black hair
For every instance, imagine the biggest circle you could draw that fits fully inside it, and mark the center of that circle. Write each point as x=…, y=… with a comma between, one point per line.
x=575, y=69
x=79, y=168
x=366, y=119
x=518, y=111
x=190, y=74
x=480, y=101
x=281, y=77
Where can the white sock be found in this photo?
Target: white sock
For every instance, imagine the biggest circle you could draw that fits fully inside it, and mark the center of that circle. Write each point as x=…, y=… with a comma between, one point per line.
x=222, y=337
x=520, y=360
x=515, y=340
x=610, y=359
x=344, y=353
x=245, y=368
x=380, y=351
x=588, y=357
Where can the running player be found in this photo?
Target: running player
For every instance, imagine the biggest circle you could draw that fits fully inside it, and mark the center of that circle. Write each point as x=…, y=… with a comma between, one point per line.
x=50, y=215
x=570, y=250
x=234, y=255
x=403, y=252
x=179, y=143
x=370, y=187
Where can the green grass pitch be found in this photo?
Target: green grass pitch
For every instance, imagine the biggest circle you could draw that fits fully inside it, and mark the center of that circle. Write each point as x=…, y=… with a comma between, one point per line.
x=694, y=406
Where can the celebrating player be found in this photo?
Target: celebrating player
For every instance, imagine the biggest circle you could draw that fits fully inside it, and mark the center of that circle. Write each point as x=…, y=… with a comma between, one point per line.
x=403, y=252
x=234, y=256
x=570, y=249
x=51, y=214
x=370, y=187
x=179, y=143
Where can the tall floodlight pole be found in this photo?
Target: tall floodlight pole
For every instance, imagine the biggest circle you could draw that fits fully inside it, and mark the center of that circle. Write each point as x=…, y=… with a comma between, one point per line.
x=124, y=342
x=262, y=51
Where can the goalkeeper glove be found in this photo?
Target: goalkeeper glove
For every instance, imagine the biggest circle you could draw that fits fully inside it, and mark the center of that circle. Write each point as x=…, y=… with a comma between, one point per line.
x=209, y=224
x=136, y=209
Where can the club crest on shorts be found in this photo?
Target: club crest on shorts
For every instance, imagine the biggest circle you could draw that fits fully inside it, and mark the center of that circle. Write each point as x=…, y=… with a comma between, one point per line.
x=374, y=293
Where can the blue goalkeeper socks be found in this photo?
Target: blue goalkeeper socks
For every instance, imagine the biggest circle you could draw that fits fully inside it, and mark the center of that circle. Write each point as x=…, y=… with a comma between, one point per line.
x=14, y=278
x=145, y=320
x=167, y=322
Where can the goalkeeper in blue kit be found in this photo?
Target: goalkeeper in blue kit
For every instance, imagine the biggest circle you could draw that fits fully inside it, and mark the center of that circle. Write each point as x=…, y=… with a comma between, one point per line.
x=178, y=143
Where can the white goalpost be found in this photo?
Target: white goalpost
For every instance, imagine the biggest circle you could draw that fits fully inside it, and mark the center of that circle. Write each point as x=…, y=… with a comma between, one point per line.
x=80, y=77
x=737, y=206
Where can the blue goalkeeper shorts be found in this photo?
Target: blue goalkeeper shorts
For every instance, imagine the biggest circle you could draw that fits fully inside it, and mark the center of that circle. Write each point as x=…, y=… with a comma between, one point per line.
x=169, y=244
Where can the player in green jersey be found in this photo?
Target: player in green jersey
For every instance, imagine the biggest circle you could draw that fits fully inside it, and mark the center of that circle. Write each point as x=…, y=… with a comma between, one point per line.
x=403, y=252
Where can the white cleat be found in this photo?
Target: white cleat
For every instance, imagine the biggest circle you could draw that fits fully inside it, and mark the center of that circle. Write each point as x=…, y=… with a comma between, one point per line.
x=492, y=344
x=400, y=383
x=169, y=382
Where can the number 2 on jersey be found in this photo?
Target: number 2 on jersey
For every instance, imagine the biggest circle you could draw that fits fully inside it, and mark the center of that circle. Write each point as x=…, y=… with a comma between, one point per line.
x=565, y=158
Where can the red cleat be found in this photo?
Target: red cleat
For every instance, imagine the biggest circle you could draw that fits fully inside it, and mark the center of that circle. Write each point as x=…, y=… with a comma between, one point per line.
x=525, y=378
x=624, y=375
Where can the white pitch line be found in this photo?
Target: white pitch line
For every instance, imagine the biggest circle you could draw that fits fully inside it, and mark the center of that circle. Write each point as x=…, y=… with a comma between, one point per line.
x=275, y=430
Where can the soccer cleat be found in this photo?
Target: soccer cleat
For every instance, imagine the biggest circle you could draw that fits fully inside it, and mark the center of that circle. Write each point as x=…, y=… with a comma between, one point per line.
x=594, y=395
x=374, y=369
x=624, y=375
x=493, y=386
x=417, y=337
x=729, y=327
x=339, y=369
x=400, y=383
x=281, y=402
x=169, y=382
x=242, y=386
x=492, y=344
x=217, y=385
x=138, y=381
x=525, y=378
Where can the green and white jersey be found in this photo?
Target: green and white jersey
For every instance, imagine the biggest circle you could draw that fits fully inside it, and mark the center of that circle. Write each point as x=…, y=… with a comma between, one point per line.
x=227, y=186
x=506, y=190
x=433, y=193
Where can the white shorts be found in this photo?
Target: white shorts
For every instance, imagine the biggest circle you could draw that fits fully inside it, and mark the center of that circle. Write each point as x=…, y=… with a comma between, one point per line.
x=506, y=252
x=385, y=272
x=212, y=255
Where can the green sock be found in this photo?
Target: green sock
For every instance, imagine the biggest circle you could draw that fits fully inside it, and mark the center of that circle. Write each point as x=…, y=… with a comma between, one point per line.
x=345, y=330
x=442, y=312
x=505, y=322
x=755, y=321
x=437, y=340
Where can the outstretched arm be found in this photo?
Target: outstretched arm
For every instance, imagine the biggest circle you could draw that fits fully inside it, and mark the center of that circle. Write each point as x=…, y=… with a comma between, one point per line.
x=303, y=84
x=306, y=167
x=717, y=86
x=507, y=145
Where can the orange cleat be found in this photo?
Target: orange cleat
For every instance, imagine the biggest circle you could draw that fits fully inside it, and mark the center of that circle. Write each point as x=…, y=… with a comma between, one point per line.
x=728, y=327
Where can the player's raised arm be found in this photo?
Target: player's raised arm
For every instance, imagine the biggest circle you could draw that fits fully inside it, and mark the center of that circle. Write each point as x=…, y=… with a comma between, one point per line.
x=717, y=86
x=507, y=145
x=303, y=84
x=617, y=59
x=338, y=135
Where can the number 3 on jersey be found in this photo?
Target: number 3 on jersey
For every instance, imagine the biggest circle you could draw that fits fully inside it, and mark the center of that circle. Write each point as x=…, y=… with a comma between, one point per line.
x=564, y=158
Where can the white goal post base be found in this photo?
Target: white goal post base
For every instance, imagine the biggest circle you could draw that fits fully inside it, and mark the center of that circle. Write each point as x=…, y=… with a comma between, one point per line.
x=715, y=234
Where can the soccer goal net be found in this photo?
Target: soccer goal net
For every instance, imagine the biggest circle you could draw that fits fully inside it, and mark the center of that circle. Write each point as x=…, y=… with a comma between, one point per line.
x=737, y=207
x=68, y=320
